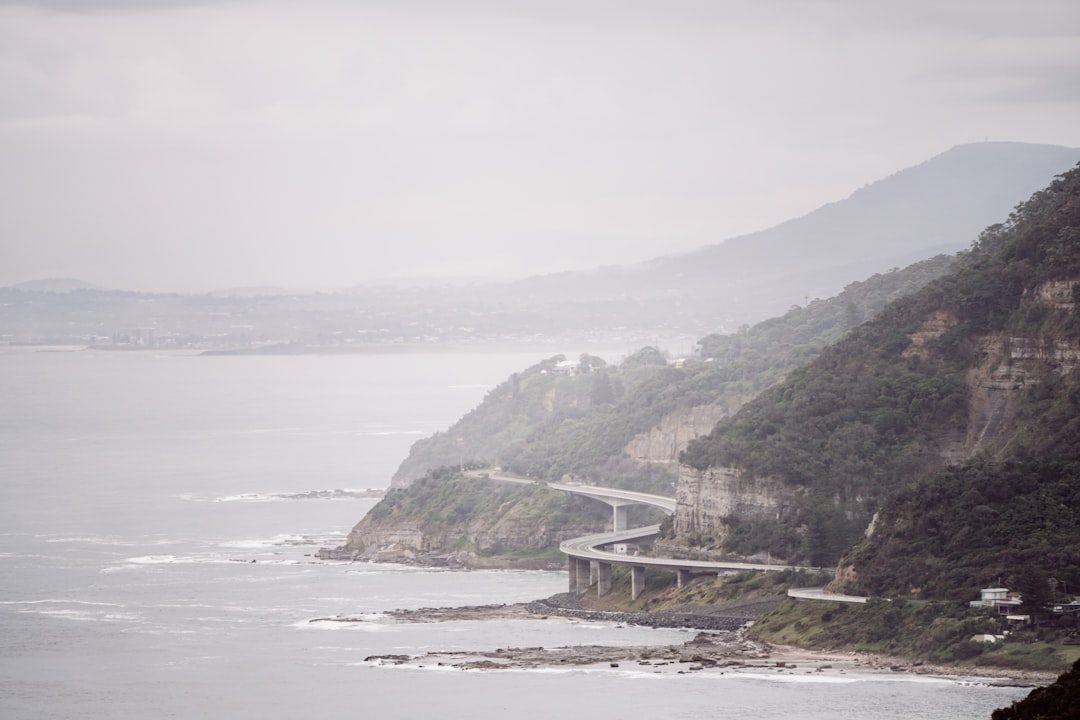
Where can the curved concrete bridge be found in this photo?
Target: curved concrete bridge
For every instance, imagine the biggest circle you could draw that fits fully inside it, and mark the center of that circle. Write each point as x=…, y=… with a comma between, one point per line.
x=590, y=563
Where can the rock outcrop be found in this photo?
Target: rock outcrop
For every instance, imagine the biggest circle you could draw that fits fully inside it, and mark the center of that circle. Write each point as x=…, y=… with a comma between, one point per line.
x=706, y=498
x=1060, y=701
x=473, y=522
x=663, y=442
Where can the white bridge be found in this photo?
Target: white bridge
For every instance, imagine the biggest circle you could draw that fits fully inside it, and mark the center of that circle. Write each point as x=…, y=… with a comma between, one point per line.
x=590, y=560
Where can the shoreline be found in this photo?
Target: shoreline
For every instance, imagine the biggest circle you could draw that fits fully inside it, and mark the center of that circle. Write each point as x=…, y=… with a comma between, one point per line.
x=714, y=650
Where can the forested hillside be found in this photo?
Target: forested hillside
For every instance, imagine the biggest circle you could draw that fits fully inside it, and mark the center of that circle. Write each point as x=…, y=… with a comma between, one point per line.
x=577, y=417
x=952, y=421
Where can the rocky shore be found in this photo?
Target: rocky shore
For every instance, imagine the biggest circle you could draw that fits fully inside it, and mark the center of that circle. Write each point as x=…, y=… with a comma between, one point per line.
x=721, y=645
x=460, y=560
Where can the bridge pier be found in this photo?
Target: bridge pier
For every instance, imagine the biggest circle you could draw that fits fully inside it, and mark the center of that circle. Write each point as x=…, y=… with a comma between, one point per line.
x=603, y=579
x=682, y=577
x=618, y=520
x=579, y=575
x=594, y=572
x=637, y=581
x=583, y=575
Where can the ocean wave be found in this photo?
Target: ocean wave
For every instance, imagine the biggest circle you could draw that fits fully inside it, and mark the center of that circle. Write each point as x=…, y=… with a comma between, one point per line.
x=93, y=614
x=87, y=540
x=851, y=676
x=60, y=601
x=105, y=540
x=354, y=623
x=81, y=615
x=176, y=560
x=262, y=497
x=275, y=541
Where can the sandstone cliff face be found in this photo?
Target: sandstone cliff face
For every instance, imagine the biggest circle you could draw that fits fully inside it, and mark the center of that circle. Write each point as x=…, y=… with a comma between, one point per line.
x=1010, y=365
x=664, y=442
x=705, y=497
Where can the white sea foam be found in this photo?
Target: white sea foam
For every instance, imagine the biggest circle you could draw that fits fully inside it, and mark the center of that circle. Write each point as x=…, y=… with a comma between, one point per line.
x=82, y=615
x=265, y=497
x=357, y=623
x=59, y=601
x=110, y=541
x=122, y=617
x=251, y=497
x=261, y=543
x=854, y=676
x=175, y=560
x=88, y=540
x=112, y=569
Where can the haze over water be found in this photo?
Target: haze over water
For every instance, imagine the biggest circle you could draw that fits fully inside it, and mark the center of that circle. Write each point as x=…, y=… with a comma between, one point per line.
x=152, y=568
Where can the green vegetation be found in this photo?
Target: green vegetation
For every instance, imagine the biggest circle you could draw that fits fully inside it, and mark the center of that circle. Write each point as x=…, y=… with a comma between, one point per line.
x=976, y=525
x=662, y=592
x=871, y=424
x=446, y=501
x=935, y=632
x=547, y=421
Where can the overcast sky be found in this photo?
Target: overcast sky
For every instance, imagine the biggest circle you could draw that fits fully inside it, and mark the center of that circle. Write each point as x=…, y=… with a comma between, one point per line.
x=197, y=145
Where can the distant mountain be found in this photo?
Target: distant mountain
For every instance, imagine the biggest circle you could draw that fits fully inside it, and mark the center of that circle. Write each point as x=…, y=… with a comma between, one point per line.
x=255, y=291
x=939, y=206
x=56, y=285
x=936, y=207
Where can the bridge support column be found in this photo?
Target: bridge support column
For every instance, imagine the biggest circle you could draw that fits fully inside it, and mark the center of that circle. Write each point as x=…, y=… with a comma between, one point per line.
x=571, y=571
x=594, y=572
x=682, y=577
x=618, y=519
x=582, y=575
x=603, y=579
x=637, y=581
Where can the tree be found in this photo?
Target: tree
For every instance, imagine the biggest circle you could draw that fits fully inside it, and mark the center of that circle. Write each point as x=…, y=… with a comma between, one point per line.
x=603, y=392
x=1034, y=587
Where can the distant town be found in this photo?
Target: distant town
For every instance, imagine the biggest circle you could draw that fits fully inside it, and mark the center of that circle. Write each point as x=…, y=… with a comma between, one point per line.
x=340, y=322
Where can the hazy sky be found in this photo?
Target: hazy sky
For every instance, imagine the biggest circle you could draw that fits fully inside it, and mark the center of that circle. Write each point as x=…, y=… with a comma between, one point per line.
x=196, y=145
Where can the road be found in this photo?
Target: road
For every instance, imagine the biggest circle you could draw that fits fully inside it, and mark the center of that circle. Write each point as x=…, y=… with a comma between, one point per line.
x=589, y=547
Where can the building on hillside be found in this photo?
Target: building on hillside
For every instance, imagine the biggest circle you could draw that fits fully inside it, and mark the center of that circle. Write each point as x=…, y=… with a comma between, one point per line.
x=1069, y=608
x=999, y=599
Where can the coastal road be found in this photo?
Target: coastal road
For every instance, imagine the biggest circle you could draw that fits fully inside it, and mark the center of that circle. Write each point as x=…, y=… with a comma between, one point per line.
x=610, y=495
x=589, y=550
x=820, y=594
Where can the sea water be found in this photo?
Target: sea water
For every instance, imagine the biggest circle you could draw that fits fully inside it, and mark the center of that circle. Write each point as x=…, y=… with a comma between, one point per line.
x=153, y=563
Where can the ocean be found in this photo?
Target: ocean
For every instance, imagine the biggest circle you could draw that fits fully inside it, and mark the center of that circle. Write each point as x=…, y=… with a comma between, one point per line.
x=156, y=562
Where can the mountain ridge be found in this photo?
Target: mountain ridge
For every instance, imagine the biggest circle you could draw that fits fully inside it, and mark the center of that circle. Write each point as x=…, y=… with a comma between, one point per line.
x=938, y=205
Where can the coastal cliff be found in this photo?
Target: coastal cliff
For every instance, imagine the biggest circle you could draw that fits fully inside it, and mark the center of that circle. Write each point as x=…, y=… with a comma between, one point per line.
x=622, y=424
x=714, y=501
x=451, y=519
